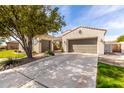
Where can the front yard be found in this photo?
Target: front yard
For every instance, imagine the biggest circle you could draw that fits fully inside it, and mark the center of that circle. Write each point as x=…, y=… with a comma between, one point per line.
x=8, y=58
x=11, y=54
x=109, y=76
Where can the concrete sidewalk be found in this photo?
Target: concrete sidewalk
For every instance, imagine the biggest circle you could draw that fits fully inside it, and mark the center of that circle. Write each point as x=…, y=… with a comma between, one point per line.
x=117, y=59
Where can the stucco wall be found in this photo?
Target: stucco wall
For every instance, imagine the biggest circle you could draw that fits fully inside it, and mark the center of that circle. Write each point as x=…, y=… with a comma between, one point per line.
x=37, y=46
x=85, y=33
x=20, y=48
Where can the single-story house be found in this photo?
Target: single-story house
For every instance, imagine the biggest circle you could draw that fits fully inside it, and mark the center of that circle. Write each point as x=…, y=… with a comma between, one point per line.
x=41, y=43
x=80, y=39
x=84, y=40
x=114, y=47
x=12, y=45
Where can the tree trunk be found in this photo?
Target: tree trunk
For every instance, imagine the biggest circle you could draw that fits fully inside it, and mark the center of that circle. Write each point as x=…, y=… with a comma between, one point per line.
x=28, y=47
x=26, y=44
x=29, y=54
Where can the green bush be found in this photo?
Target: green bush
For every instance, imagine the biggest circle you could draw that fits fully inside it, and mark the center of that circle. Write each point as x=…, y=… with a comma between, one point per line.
x=8, y=64
x=62, y=50
x=34, y=52
x=50, y=53
x=17, y=51
x=10, y=61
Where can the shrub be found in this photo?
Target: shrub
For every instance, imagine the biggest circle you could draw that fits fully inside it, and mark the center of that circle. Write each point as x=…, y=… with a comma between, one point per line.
x=62, y=50
x=8, y=64
x=34, y=52
x=50, y=53
x=10, y=61
x=18, y=51
x=15, y=50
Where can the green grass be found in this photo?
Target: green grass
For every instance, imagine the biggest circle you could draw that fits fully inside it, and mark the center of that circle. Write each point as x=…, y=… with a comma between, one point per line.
x=109, y=76
x=10, y=54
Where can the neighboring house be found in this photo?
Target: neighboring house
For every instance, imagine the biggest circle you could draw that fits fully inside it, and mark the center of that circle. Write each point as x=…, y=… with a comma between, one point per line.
x=41, y=43
x=84, y=40
x=12, y=45
x=114, y=47
x=3, y=44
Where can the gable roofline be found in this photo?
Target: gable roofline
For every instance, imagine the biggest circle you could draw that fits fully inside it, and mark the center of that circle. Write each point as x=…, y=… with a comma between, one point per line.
x=45, y=37
x=12, y=42
x=87, y=27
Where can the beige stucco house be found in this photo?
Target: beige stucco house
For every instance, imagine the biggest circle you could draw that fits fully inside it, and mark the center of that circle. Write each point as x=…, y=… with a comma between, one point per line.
x=84, y=40
x=41, y=43
x=80, y=39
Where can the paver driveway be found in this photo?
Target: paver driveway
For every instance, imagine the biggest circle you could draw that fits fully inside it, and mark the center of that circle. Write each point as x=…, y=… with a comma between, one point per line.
x=63, y=71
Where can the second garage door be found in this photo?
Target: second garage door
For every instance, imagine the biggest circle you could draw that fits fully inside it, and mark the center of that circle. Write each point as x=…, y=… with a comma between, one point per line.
x=83, y=45
x=46, y=45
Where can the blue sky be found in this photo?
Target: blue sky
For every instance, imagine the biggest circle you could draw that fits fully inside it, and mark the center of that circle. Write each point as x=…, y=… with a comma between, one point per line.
x=108, y=17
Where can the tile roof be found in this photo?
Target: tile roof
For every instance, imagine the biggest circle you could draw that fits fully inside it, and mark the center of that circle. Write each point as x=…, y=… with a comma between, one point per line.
x=87, y=27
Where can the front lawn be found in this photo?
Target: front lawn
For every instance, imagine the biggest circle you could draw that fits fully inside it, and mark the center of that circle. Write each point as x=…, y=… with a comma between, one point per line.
x=109, y=76
x=11, y=54
x=13, y=59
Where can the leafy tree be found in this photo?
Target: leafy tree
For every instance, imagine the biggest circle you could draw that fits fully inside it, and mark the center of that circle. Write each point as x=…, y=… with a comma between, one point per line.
x=120, y=38
x=23, y=23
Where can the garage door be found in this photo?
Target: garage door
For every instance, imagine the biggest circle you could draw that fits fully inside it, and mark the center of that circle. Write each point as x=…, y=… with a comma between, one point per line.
x=83, y=45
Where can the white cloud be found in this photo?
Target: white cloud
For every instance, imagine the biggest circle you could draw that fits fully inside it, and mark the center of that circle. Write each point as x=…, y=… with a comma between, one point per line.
x=98, y=11
x=109, y=18
x=111, y=37
x=117, y=23
x=65, y=11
